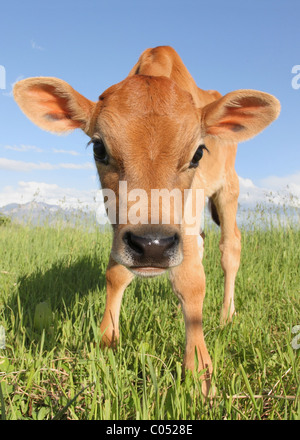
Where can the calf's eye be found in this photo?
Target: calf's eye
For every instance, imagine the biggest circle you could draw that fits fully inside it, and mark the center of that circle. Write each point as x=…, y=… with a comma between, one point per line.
x=197, y=156
x=100, y=153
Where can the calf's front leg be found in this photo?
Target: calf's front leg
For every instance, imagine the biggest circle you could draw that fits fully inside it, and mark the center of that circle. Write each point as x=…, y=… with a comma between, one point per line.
x=226, y=203
x=188, y=282
x=117, y=279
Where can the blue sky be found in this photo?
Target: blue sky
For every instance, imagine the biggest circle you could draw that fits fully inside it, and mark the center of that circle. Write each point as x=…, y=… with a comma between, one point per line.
x=226, y=45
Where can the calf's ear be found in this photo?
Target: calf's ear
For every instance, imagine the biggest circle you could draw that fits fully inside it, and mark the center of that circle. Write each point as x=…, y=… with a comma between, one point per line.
x=53, y=104
x=239, y=115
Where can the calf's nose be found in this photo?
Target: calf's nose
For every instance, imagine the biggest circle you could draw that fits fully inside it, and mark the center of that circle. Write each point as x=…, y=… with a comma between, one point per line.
x=151, y=249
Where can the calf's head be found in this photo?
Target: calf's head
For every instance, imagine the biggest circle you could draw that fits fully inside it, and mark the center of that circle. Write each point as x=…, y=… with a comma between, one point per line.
x=147, y=134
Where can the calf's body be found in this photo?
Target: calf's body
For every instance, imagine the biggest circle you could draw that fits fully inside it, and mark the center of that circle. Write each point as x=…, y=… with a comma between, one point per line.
x=157, y=130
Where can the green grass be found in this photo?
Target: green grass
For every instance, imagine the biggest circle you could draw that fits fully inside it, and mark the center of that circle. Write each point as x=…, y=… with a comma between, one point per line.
x=60, y=372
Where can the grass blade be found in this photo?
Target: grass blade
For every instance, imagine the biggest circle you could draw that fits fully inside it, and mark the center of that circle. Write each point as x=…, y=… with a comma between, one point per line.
x=3, y=415
x=64, y=409
x=251, y=394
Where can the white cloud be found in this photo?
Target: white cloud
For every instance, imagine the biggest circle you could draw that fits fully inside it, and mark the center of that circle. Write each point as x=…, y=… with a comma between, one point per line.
x=18, y=165
x=275, y=190
x=35, y=46
x=288, y=184
x=71, y=152
x=23, y=148
x=75, y=166
x=249, y=193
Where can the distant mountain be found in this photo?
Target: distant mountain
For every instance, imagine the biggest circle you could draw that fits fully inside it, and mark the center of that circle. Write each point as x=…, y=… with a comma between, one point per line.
x=40, y=213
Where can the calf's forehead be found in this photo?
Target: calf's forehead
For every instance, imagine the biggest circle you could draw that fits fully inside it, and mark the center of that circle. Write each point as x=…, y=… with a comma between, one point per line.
x=143, y=107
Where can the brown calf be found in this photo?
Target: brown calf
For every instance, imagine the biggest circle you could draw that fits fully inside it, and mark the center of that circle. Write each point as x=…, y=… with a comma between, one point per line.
x=151, y=130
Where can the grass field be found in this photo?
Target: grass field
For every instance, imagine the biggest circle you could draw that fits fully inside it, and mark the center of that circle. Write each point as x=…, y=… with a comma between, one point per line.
x=52, y=367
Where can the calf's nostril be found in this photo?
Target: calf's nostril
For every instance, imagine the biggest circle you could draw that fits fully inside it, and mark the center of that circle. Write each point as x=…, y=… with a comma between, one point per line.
x=172, y=242
x=134, y=242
